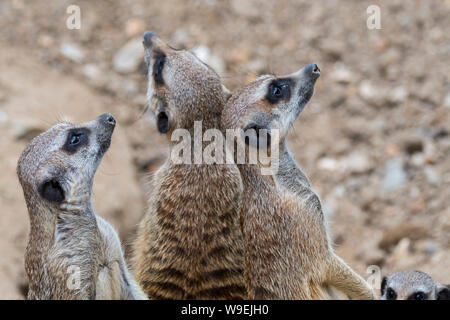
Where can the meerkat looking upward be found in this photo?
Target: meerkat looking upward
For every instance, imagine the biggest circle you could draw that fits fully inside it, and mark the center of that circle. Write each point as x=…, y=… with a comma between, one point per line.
x=72, y=253
x=288, y=250
x=189, y=243
x=413, y=285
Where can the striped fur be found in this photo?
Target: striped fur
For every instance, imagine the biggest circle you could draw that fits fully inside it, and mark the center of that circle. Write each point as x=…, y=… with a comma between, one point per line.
x=189, y=243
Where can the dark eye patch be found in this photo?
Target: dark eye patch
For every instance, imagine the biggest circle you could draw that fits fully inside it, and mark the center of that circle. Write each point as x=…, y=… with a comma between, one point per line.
x=391, y=294
x=418, y=296
x=158, y=66
x=75, y=139
x=279, y=89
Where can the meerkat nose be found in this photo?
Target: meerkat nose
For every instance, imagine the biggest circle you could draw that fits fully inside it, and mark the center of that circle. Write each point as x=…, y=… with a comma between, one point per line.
x=312, y=69
x=108, y=119
x=316, y=68
x=148, y=35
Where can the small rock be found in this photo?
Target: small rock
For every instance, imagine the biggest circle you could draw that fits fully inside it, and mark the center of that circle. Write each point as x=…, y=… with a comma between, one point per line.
x=418, y=159
x=91, y=71
x=329, y=164
x=333, y=49
x=72, y=52
x=26, y=132
x=401, y=252
x=240, y=56
x=418, y=205
x=247, y=8
x=128, y=58
x=204, y=54
x=413, y=144
x=394, y=175
x=367, y=91
x=3, y=116
x=356, y=162
x=429, y=247
x=134, y=27
x=180, y=37
x=341, y=74
x=394, y=234
x=256, y=65
x=447, y=100
x=398, y=95
x=431, y=175
x=46, y=41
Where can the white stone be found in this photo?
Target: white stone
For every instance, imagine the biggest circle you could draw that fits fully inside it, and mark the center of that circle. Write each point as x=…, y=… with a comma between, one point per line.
x=128, y=58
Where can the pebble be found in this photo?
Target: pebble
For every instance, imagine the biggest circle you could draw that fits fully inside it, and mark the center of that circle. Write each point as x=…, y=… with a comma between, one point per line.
x=394, y=175
x=356, y=162
x=3, y=116
x=91, y=71
x=129, y=57
x=205, y=54
x=395, y=233
x=134, y=27
x=398, y=95
x=367, y=91
x=72, y=52
x=431, y=175
x=447, y=100
x=341, y=74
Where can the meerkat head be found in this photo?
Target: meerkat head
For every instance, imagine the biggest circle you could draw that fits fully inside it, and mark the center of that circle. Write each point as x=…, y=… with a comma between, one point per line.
x=58, y=166
x=270, y=103
x=412, y=285
x=181, y=88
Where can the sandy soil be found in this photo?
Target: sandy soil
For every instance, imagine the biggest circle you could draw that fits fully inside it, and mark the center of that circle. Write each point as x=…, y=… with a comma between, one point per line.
x=374, y=140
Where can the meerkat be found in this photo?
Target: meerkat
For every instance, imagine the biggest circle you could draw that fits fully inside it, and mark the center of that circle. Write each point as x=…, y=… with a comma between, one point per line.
x=288, y=253
x=72, y=253
x=413, y=285
x=189, y=243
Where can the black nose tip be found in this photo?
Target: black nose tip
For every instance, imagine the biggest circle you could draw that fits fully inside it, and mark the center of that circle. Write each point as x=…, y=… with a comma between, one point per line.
x=148, y=35
x=108, y=118
x=315, y=68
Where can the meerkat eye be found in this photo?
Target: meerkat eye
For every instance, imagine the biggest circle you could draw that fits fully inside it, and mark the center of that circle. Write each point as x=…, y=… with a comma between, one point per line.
x=390, y=294
x=158, y=67
x=75, y=139
x=279, y=89
x=418, y=296
x=276, y=91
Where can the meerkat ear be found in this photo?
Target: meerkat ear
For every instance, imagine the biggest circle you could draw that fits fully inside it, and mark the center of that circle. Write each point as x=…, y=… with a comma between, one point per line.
x=383, y=285
x=443, y=293
x=226, y=92
x=52, y=191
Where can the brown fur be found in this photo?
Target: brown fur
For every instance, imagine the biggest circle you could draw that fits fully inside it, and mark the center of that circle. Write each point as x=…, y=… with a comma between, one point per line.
x=66, y=236
x=189, y=243
x=288, y=250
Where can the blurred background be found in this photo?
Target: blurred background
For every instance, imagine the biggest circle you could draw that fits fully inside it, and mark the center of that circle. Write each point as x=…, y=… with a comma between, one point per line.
x=374, y=140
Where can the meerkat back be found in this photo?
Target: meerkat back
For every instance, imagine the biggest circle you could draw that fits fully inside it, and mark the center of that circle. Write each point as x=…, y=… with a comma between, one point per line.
x=189, y=243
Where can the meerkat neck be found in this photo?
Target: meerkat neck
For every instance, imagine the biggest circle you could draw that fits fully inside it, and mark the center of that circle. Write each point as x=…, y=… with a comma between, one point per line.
x=289, y=171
